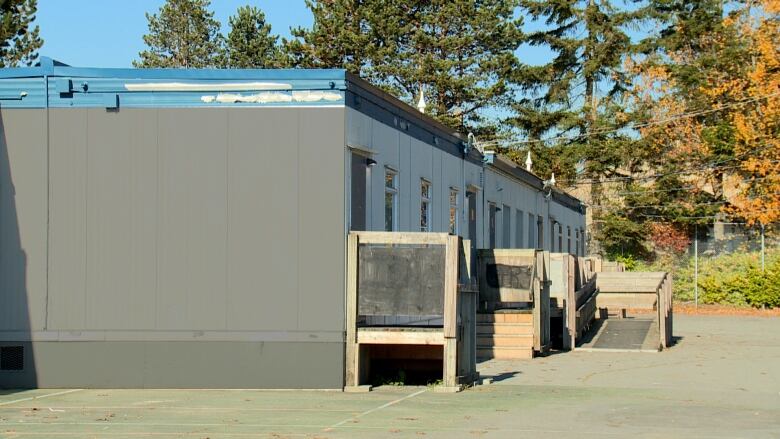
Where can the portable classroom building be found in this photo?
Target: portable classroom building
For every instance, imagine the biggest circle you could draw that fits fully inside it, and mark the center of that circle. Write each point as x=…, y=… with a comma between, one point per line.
x=187, y=228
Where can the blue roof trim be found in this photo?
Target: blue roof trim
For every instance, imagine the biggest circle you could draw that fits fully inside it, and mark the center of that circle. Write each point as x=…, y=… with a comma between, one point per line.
x=52, y=69
x=54, y=84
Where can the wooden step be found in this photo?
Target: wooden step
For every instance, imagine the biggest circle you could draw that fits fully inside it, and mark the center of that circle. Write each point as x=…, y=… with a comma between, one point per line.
x=508, y=341
x=524, y=317
x=505, y=328
x=501, y=353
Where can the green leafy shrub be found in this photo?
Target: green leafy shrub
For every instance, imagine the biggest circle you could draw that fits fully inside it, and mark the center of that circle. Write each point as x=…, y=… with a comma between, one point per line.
x=629, y=261
x=730, y=279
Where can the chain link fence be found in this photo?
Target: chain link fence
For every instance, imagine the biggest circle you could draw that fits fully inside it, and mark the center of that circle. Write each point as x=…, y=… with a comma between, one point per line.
x=728, y=263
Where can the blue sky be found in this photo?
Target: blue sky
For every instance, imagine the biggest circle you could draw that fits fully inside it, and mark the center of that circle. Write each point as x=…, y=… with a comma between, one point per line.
x=107, y=33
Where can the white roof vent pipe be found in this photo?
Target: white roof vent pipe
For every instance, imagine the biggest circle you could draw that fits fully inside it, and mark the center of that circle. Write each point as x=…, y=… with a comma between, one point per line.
x=421, y=102
x=528, y=161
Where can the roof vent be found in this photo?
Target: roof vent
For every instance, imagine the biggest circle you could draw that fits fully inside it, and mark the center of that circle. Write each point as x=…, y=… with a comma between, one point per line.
x=421, y=102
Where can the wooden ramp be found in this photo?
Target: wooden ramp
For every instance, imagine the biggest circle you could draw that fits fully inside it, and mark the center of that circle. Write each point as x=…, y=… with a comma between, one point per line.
x=620, y=293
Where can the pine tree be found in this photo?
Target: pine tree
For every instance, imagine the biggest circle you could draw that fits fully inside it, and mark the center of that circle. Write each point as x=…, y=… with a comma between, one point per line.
x=457, y=52
x=250, y=44
x=184, y=34
x=18, y=43
x=578, y=92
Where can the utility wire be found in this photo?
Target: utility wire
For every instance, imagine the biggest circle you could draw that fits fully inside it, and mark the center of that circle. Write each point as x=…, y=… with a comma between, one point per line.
x=629, y=126
x=659, y=175
x=681, y=188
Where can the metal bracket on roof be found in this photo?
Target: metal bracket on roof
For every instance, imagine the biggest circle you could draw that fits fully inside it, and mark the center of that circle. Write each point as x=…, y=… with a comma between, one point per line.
x=111, y=100
x=65, y=86
x=18, y=97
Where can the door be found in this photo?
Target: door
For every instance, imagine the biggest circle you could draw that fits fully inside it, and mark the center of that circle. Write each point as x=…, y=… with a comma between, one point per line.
x=472, y=199
x=357, y=220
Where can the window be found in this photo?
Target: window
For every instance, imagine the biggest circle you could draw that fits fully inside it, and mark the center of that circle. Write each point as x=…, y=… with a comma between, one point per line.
x=531, y=236
x=552, y=234
x=425, y=205
x=540, y=232
x=391, y=200
x=577, y=242
x=568, y=239
x=454, y=211
x=560, y=237
x=519, y=220
x=507, y=226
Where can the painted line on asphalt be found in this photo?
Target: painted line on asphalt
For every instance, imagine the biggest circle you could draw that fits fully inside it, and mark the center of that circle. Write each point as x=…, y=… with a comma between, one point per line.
x=375, y=409
x=31, y=398
x=186, y=409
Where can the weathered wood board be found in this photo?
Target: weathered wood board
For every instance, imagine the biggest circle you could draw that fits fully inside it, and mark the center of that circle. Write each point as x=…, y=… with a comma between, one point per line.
x=404, y=281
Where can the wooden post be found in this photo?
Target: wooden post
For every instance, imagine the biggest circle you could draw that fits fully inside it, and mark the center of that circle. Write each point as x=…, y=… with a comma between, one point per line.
x=570, y=307
x=670, y=312
x=662, y=313
x=450, y=367
x=352, y=378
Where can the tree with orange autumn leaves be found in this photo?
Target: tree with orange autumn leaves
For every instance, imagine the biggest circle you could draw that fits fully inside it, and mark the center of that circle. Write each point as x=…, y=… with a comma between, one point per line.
x=757, y=124
x=725, y=81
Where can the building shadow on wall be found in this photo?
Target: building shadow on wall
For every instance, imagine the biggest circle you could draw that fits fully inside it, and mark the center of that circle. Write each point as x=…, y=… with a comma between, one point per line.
x=17, y=362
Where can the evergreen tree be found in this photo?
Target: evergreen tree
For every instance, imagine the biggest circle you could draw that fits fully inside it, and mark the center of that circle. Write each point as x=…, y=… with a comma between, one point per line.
x=183, y=34
x=576, y=94
x=18, y=43
x=250, y=44
x=457, y=52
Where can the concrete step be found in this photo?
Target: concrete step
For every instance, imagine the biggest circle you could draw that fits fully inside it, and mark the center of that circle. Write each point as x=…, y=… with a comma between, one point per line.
x=505, y=328
x=502, y=353
x=505, y=317
x=508, y=341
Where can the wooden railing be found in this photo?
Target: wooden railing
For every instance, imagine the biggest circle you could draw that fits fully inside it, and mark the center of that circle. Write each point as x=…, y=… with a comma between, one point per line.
x=573, y=295
x=517, y=279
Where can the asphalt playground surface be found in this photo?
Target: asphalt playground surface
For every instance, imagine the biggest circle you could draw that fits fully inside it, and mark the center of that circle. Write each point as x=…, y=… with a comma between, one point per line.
x=720, y=380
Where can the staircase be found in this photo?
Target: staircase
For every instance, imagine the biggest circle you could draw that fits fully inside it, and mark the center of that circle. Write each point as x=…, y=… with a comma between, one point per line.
x=505, y=335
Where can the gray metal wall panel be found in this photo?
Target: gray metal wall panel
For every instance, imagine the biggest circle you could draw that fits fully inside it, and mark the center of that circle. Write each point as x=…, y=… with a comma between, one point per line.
x=121, y=190
x=197, y=219
x=67, y=219
x=23, y=206
x=263, y=210
x=180, y=365
x=321, y=220
x=193, y=225
x=188, y=222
